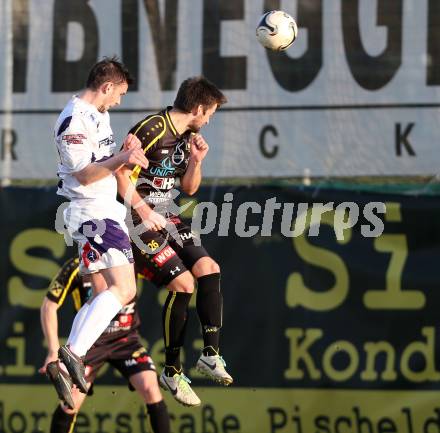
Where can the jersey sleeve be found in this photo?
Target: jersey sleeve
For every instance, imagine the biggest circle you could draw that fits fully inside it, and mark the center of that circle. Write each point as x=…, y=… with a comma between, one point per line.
x=149, y=131
x=65, y=282
x=73, y=144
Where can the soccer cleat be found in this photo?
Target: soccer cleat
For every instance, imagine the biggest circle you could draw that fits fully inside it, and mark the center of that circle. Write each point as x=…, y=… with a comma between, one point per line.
x=62, y=383
x=75, y=367
x=179, y=387
x=214, y=368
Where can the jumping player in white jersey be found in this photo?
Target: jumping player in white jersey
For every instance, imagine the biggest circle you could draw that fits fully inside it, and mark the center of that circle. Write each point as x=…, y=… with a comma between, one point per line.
x=94, y=218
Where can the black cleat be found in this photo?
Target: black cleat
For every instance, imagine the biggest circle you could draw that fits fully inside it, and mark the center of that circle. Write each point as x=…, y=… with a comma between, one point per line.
x=75, y=367
x=62, y=383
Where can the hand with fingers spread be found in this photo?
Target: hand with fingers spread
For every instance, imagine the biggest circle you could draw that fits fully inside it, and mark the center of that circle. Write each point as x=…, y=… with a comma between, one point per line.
x=199, y=147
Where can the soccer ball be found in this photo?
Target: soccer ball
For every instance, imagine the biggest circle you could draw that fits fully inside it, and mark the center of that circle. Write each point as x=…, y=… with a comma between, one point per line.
x=276, y=30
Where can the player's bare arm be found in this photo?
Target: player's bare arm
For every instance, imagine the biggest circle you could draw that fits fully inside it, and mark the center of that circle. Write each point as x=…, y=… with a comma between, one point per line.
x=131, y=153
x=49, y=324
x=190, y=181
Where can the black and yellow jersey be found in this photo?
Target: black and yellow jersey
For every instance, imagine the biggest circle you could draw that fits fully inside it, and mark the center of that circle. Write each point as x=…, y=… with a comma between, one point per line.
x=68, y=281
x=168, y=154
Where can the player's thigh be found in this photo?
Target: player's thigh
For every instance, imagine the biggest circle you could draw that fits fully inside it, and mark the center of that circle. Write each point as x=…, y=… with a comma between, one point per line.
x=192, y=253
x=122, y=281
x=132, y=360
x=98, y=282
x=119, y=275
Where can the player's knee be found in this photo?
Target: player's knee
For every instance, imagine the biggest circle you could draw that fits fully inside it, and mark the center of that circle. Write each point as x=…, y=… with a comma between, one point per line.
x=183, y=283
x=205, y=266
x=214, y=267
x=187, y=286
x=151, y=393
x=186, y=289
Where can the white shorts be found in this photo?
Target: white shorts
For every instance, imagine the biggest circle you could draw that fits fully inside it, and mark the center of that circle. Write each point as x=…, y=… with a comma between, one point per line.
x=102, y=243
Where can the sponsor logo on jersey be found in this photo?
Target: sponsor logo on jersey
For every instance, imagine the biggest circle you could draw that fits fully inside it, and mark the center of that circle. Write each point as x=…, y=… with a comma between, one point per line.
x=106, y=141
x=158, y=197
x=166, y=168
x=74, y=138
x=174, y=271
x=164, y=182
x=123, y=323
x=186, y=236
x=128, y=253
x=166, y=254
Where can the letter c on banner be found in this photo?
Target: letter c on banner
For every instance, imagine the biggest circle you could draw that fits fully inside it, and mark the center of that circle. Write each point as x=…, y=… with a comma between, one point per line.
x=268, y=153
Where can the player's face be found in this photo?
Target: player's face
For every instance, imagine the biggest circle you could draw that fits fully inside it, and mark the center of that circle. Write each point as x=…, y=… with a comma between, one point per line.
x=202, y=118
x=113, y=95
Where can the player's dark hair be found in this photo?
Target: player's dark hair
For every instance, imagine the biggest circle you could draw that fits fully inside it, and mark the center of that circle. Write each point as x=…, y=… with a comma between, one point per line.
x=108, y=69
x=197, y=91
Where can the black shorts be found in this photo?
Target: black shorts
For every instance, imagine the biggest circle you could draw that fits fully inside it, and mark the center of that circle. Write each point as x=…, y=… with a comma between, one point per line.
x=126, y=354
x=173, y=256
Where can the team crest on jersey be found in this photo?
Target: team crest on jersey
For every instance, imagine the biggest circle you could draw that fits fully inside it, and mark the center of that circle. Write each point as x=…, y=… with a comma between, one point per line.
x=178, y=155
x=89, y=255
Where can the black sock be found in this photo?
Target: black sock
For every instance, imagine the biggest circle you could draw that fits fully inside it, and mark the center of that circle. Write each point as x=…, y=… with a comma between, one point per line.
x=61, y=421
x=209, y=305
x=159, y=418
x=174, y=319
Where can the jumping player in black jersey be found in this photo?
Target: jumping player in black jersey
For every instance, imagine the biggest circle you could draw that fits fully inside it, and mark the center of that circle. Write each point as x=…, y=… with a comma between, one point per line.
x=119, y=345
x=175, y=150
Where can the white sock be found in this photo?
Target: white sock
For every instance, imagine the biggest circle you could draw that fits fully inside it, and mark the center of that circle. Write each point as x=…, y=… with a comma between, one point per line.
x=77, y=321
x=101, y=311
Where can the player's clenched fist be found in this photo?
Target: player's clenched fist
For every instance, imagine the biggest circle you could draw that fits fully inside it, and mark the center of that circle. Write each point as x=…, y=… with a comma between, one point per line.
x=199, y=147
